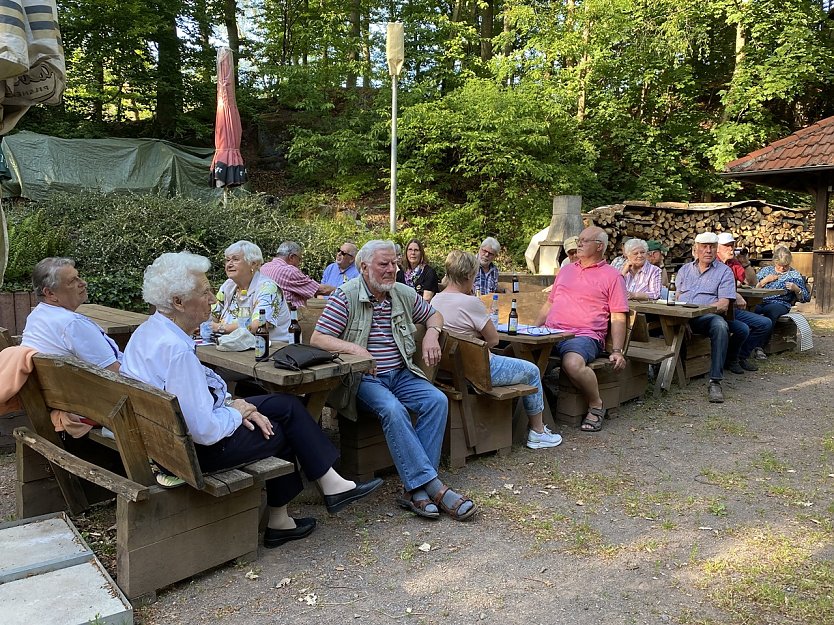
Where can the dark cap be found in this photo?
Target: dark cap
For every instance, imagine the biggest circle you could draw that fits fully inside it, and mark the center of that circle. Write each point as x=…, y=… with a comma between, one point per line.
x=656, y=245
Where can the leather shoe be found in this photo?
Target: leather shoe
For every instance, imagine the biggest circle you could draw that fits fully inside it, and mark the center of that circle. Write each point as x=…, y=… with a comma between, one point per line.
x=734, y=367
x=303, y=528
x=748, y=365
x=334, y=503
x=716, y=395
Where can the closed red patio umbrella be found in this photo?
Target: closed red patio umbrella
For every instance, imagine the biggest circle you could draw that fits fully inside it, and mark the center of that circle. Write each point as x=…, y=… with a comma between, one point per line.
x=227, y=168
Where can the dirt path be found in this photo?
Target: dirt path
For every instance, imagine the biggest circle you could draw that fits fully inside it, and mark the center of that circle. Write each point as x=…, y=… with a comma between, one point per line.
x=680, y=511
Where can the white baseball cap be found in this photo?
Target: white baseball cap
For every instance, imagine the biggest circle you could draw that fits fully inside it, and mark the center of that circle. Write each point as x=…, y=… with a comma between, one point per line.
x=707, y=237
x=725, y=238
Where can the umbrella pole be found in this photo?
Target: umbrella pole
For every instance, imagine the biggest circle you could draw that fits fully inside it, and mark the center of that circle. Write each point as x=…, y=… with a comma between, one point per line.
x=393, y=216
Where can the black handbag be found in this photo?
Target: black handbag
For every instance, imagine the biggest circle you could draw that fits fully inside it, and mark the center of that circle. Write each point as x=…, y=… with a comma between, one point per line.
x=296, y=357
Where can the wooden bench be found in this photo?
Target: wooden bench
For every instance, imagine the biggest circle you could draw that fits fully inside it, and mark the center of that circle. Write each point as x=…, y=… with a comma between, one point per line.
x=480, y=414
x=784, y=337
x=163, y=536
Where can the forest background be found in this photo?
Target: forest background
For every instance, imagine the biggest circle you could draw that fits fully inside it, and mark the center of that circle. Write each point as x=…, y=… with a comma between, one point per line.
x=503, y=104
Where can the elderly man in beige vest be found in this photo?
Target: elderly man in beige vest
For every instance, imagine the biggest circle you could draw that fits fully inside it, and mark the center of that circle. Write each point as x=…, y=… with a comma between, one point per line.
x=374, y=316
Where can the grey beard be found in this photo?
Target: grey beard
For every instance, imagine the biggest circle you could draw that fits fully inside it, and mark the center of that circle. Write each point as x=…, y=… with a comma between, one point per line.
x=384, y=288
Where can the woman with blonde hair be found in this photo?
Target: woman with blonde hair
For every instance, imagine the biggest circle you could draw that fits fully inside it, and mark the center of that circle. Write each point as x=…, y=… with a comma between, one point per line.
x=465, y=314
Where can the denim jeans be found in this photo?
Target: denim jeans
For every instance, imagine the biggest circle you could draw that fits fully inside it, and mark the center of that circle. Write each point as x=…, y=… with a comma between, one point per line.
x=725, y=340
x=415, y=449
x=760, y=330
x=772, y=310
x=505, y=370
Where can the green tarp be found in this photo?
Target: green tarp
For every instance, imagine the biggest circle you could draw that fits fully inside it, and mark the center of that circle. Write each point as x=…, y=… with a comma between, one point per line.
x=41, y=165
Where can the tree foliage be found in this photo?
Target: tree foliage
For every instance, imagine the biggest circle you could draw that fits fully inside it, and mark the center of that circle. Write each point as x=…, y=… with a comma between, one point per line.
x=503, y=103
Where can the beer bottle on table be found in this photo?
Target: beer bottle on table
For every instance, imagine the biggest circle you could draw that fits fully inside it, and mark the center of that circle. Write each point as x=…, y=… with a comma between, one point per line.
x=295, y=327
x=512, y=323
x=670, y=296
x=262, y=337
x=516, y=288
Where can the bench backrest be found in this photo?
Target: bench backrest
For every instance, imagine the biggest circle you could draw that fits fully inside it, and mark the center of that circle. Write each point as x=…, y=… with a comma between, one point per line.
x=466, y=358
x=146, y=422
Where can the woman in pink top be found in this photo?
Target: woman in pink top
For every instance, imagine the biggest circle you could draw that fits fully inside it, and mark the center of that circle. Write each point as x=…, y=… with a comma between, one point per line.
x=465, y=314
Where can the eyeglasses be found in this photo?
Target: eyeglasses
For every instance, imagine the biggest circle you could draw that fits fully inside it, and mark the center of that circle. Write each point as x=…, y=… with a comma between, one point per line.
x=583, y=241
x=343, y=253
x=487, y=252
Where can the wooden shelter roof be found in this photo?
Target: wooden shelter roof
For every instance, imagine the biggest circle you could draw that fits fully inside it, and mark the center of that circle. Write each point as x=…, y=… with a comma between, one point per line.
x=802, y=161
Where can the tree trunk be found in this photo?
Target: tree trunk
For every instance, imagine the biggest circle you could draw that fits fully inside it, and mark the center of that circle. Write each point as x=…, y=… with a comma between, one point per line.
x=366, y=49
x=487, y=18
x=98, y=102
x=583, y=72
x=169, y=77
x=230, y=18
x=741, y=41
x=508, y=47
x=355, y=38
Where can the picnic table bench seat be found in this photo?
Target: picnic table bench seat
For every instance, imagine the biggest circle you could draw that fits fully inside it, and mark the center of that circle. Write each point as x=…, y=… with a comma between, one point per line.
x=162, y=535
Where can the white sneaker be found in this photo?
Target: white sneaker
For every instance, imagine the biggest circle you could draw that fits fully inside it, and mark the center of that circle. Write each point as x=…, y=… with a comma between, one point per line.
x=545, y=439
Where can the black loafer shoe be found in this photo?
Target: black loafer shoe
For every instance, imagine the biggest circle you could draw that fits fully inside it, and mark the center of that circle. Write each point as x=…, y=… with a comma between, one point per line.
x=334, y=503
x=735, y=368
x=747, y=365
x=303, y=528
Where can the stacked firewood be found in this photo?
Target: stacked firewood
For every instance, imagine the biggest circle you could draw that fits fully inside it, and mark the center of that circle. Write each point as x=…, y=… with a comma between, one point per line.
x=756, y=225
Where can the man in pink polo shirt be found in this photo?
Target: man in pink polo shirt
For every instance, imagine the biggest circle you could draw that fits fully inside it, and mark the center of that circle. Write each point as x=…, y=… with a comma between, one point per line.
x=585, y=295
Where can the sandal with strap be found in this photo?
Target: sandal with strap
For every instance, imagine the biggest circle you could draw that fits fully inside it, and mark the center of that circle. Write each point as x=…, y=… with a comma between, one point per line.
x=452, y=510
x=594, y=425
x=417, y=506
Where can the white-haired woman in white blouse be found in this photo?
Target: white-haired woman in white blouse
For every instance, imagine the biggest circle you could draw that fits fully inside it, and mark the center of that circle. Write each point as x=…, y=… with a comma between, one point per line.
x=229, y=432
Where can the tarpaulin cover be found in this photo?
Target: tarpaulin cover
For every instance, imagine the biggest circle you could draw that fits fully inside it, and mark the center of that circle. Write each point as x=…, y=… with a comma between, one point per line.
x=41, y=165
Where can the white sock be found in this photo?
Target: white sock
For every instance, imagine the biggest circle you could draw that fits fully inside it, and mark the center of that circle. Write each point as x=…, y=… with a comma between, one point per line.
x=279, y=519
x=332, y=483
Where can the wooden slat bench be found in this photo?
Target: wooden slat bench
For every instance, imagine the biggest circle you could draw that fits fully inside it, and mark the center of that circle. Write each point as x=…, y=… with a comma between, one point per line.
x=163, y=536
x=784, y=337
x=480, y=414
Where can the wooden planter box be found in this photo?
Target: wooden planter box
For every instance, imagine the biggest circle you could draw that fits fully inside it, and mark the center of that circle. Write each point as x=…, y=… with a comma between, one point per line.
x=14, y=308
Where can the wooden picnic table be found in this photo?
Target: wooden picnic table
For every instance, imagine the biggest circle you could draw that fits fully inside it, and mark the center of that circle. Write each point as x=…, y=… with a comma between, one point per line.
x=116, y=323
x=754, y=296
x=314, y=382
x=673, y=321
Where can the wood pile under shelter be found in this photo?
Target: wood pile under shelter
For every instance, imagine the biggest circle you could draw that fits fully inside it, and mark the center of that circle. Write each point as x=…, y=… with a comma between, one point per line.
x=755, y=224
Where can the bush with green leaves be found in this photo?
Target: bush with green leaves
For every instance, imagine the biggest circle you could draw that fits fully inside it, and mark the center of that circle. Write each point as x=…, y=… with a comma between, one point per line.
x=114, y=237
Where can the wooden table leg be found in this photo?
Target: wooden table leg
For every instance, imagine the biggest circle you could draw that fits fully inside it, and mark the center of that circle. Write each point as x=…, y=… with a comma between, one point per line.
x=315, y=404
x=674, y=334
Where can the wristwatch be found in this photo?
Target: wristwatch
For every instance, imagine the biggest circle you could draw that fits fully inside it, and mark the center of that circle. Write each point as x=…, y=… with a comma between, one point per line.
x=438, y=328
x=616, y=351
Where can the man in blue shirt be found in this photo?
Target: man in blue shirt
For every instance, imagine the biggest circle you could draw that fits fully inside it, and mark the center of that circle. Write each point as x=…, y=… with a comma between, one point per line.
x=708, y=281
x=486, y=280
x=344, y=269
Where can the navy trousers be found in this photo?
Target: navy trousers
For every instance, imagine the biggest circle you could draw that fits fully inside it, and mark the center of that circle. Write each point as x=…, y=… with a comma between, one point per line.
x=297, y=439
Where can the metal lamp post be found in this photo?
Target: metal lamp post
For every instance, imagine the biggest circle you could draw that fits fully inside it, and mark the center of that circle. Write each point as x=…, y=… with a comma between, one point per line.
x=395, y=54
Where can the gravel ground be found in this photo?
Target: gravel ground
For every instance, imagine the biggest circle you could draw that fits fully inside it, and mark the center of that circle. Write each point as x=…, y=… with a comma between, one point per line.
x=679, y=511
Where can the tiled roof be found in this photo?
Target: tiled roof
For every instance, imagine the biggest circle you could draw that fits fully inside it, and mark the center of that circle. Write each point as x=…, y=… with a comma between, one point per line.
x=809, y=147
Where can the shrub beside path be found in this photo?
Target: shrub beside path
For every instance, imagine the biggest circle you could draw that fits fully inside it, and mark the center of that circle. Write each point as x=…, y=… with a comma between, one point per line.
x=679, y=511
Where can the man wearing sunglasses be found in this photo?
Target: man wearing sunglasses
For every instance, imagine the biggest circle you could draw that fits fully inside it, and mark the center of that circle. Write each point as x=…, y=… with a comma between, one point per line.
x=344, y=269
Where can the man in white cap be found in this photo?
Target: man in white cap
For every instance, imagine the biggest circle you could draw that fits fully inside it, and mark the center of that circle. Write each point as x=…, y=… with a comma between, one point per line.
x=571, y=245
x=760, y=326
x=708, y=281
x=727, y=255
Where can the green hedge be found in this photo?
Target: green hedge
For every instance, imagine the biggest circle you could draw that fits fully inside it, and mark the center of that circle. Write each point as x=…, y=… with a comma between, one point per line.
x=113, y=238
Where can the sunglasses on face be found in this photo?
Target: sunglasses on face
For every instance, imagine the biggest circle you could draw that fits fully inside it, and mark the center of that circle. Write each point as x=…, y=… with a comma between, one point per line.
x=343, y=253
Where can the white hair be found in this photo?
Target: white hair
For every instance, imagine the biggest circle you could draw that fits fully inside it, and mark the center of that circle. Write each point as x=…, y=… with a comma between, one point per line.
x=287, y=249
x=491, y=243
x=782, y=256
x=602, y=237
x=366, y=254
x=632, y=244
x=172, y=275
x=251, y=252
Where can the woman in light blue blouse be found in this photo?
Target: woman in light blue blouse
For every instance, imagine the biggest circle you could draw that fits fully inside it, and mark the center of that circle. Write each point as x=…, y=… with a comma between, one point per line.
x=247, y=292
x=781, y=275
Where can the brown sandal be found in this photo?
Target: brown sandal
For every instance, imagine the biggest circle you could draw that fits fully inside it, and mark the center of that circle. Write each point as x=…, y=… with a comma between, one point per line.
x=417, y=506
x=594, y=425
x=453, y=510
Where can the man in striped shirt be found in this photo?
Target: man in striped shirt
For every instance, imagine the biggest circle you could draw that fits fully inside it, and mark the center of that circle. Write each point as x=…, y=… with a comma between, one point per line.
x=374, y=316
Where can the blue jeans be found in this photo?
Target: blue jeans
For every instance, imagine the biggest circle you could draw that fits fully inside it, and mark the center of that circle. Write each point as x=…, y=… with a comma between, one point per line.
x=725, y=340
x=505, y=370
x=415, y=449
x=772, y=310
x=760, y=330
